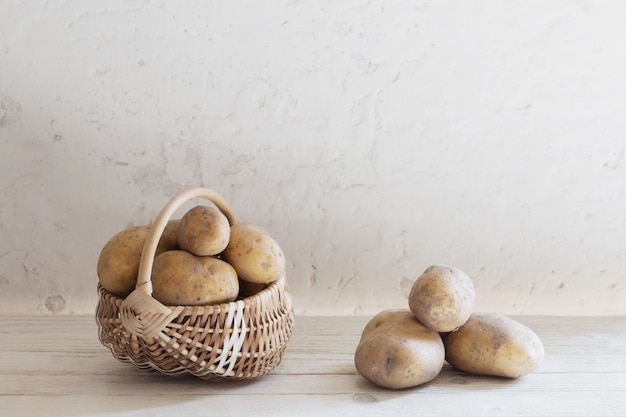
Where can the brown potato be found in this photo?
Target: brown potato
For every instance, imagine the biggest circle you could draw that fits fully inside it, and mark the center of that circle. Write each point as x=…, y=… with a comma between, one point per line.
x=203, y=231
x=254, y=254
x=442, y=298
x=169, y=237
x=493, y=344
x=247, y=289
x=118, y=263
x=180, y=278
x=396, y=351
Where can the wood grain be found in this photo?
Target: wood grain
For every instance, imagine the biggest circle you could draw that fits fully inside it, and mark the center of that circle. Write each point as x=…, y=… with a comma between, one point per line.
x=55, y=366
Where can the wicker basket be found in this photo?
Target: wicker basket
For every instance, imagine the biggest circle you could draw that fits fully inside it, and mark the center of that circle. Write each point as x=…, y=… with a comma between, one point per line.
x=243, y=339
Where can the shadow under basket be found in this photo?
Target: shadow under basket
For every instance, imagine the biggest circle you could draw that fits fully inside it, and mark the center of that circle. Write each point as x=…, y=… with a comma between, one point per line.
x=243, y=339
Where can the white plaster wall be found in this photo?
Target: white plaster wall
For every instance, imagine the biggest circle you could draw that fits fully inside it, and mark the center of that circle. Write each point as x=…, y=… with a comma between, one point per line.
x=372, y=138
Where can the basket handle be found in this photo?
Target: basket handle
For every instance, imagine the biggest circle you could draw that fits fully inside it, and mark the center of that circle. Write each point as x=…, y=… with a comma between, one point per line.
x=144, y=283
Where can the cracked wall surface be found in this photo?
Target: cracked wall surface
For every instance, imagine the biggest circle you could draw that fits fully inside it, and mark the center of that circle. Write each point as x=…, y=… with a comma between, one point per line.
x=371, y=138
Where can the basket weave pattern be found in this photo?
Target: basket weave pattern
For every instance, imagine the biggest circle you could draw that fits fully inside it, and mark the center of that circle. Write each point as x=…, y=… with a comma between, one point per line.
x=242, y=339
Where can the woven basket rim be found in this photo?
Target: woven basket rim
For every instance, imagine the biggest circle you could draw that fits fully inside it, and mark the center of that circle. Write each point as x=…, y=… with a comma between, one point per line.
x=211, y=308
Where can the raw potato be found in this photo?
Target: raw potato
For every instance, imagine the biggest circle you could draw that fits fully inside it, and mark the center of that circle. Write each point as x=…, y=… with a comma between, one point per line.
x=180, y=278
x=254, y=254
x=442, y=298
x=396, y=351
x=118, y=263
x=493, y=344
x=204, y=231
x=169, y=237
x=246, y=289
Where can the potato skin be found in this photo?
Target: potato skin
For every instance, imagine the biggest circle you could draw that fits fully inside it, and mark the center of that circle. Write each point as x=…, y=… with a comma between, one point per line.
x=396, y=351
x=442, y=298
x=180, y=278
x=203, y=231
x=247, y=289
x=254, y=254
x=118, y=262
x=493, y=344
x=169, y=237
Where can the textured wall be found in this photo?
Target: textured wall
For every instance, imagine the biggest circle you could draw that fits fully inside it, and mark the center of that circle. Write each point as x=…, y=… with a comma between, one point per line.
x=372, y=138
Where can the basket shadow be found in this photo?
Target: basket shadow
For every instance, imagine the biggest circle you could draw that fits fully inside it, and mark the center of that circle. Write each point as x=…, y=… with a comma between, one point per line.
x=129, y=391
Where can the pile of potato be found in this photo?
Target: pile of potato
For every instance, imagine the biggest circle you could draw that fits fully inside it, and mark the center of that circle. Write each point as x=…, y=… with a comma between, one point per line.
x=408, y=347
x=201, y=259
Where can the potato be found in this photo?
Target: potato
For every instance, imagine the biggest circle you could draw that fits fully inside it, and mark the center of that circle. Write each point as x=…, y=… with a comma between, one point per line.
x=118, y=263
x=247, y=289
x=396, y=351
x=254, y=254
x=169, y=237
x=493, y=344
x=203, y=231
x=442, y=298
x=181, y=278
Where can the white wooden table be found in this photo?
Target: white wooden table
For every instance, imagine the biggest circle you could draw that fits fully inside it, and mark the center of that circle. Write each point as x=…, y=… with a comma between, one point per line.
x=55, y=366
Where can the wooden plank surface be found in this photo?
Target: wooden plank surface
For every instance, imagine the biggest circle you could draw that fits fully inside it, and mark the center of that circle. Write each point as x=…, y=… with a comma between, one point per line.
x=55, y=366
